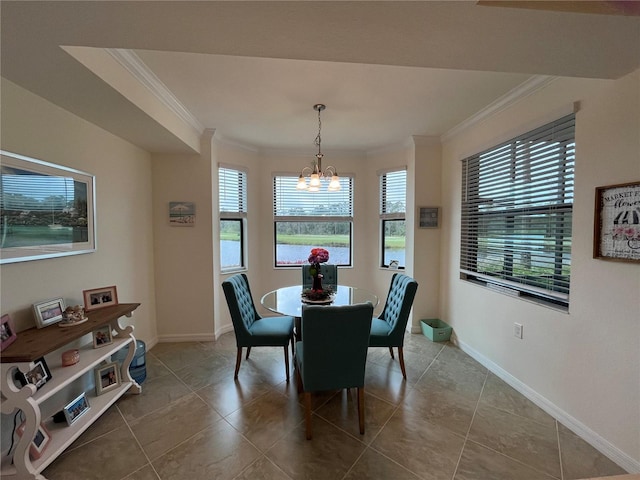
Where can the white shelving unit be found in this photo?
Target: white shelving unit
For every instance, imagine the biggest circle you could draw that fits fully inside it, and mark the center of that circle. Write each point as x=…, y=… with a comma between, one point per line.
x=33, y=344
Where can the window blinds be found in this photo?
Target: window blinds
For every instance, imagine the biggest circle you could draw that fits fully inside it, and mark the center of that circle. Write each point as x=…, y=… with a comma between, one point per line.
x=288, y=202
x=393, y=193
x=232, y=190
x=517, y=201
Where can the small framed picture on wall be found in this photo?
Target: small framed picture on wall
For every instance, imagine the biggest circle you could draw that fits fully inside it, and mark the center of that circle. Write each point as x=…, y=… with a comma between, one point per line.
x=428, y=217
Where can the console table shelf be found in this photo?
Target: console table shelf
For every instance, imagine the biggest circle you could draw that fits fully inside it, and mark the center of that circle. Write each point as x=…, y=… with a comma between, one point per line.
x=35, y=343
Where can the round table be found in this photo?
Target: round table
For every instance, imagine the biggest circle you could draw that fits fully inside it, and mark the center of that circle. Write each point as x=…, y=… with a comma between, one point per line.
x=288, y=300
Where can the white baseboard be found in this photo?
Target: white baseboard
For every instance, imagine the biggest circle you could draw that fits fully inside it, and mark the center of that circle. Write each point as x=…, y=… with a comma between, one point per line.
x=194, y=337
x=592, y=438
x=190, y=337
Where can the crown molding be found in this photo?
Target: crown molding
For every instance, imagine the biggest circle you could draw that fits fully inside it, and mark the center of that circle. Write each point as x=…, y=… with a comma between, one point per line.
x=139, y=70
x=512, y=97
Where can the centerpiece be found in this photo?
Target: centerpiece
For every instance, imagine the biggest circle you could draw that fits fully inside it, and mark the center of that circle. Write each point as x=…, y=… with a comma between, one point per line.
x=317, y=294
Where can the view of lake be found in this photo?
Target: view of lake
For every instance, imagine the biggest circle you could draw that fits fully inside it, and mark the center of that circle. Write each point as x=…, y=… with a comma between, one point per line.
x=298, y=254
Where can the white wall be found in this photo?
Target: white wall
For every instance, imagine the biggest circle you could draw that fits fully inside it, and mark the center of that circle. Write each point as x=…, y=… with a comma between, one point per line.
x=584, y=365
x=183, y=254
x=36, y=128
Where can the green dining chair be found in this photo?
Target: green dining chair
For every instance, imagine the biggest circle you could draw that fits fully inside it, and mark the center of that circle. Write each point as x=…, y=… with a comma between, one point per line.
x=329, y=275
x=388, y=329
x=333, y=352
x=250, y=328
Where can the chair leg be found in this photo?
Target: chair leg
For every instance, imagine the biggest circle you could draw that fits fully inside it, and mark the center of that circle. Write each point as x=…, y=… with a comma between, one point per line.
x=299, y=380
x=293, y=342
x=401, y=357
x=238, y=360
x=391, y=352
x=248, y=352
x=307, y=414
x=286, y=361
x=361, y=409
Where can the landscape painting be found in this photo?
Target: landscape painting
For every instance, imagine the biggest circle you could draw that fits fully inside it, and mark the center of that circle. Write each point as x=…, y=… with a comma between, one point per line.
x=46, y=210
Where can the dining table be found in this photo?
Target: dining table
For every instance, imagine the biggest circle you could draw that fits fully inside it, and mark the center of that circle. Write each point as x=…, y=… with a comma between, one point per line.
x=289, y=300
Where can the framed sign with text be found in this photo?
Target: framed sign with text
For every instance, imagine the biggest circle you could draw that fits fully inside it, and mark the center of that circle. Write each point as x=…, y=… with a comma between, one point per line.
x=617, y=222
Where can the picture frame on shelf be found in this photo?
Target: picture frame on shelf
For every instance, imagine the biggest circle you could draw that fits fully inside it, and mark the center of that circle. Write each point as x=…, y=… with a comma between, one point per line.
x=8, y=333
x=48, y=312
x=100, y=298
x=39, y=375
x=428, y=217
x=61, y=218
x=617, y=222
x=102, y=336
x=76, y=408
x=107, y=377
x=39, y=442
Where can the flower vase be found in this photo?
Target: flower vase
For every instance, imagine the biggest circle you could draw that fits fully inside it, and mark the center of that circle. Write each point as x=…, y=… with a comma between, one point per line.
x=317, y=282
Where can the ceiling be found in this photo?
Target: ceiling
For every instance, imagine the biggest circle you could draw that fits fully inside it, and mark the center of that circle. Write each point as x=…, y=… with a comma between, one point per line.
x=253, y=70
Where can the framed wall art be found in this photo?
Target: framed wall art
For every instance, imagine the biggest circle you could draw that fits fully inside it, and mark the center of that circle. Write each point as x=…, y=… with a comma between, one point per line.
x=428, y=217
x=100, y=298
x=182, y=214
x=48, y=312
x=617, y=222
x=47, y=210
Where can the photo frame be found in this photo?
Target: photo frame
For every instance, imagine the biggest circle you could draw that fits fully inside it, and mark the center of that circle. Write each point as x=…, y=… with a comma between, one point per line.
x=100, y=298
x=39, y=375
x=102, y=336
x=48, y=210
x=8, y=333
x=182, y=214
x=107, y=377
x=76, y=408
x=39, y=442
x=617, y=222
x=428, y=217
x=48, y=312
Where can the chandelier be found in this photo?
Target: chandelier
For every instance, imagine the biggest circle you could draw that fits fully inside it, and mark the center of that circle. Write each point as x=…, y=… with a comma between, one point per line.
x=315, y=171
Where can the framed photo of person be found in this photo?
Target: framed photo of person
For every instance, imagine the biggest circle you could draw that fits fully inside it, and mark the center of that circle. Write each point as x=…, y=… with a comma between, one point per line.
x=102, y=336
x=38, y=375
x=8, y=333
x=48, y=312
x=76, y=408
x=100, y=298
x=40, y=441
x=107, y=377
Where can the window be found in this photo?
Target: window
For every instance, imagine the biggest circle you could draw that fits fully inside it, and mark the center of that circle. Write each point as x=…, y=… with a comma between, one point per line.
x=393, y=206
x=304, y=220
x=517, y=202
x=232, y=191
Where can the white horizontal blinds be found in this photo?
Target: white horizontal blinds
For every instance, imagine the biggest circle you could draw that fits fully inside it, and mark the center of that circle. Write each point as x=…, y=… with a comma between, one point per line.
x=517, y=201
x=393, y=194
x=290, y=203
x=232, y=191
x=28, y=191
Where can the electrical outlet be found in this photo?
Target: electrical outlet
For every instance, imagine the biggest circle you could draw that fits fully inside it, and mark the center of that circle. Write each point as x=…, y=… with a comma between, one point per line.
x=517, y=330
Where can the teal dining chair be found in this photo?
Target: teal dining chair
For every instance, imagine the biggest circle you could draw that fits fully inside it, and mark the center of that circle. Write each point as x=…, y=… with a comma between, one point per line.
x=329, y=275
x=388, y=329
x=250, y=328
x=333, y=352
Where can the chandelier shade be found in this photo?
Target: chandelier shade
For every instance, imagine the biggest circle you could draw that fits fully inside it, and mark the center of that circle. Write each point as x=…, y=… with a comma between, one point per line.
x=315, y=174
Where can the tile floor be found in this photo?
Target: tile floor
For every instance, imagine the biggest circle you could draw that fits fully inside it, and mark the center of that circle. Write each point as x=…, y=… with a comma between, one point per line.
x=451, y=419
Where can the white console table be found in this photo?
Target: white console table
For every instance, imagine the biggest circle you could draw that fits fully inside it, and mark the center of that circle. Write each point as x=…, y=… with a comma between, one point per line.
x=35, y=343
